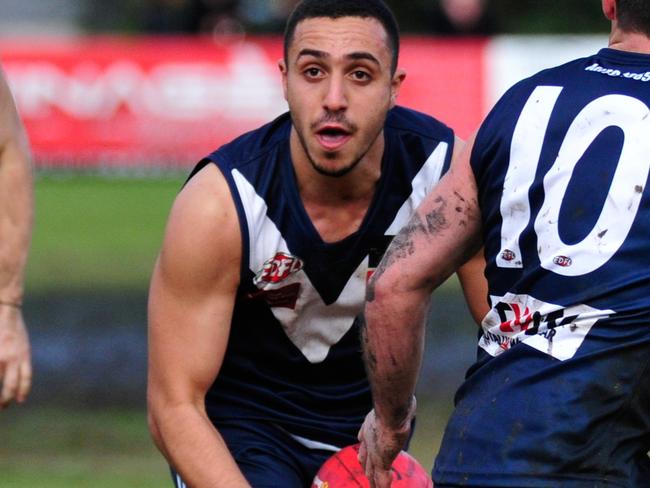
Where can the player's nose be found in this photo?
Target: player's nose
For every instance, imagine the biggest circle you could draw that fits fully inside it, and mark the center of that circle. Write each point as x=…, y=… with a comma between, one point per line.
x=335, y=97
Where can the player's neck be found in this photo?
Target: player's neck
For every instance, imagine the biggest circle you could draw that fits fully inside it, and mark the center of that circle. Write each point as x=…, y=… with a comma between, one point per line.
x=337, y=206
x=629, y=41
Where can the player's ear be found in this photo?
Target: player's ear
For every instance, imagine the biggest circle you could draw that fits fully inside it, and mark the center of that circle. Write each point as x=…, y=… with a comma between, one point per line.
x=282, y=65
x=609, y=9
x=396, y=84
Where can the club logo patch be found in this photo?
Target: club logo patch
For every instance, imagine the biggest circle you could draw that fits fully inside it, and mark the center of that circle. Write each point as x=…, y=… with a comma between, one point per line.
x=285, y=297
x=278, y=269
x=563, y=261
x=508, y=255
x=547, y=327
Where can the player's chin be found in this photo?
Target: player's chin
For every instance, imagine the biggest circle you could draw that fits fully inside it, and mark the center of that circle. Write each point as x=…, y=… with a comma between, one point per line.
x=334, y=173
x=335, y=166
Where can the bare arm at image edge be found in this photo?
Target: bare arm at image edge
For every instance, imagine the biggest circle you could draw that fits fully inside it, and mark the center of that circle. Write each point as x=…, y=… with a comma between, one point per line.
x=16, y=216
x=191, y=303
x=442, y=234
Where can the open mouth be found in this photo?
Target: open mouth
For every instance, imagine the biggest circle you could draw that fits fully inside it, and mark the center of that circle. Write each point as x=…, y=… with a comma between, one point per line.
x=332, y=138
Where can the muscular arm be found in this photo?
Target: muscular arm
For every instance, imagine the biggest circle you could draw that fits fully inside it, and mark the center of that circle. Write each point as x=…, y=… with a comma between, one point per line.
x=190, y=307
x=442, y=234
x=16, y=214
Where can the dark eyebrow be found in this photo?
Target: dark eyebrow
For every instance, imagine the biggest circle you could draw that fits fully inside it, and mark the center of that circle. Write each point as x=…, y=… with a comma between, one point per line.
x=312, y=52
x=363, y=55
x=352, y=56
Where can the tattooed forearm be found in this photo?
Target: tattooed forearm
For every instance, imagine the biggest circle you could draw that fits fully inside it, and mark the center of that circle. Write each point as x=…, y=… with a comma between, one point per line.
x=403, y=244
x=436, y=220
x=401, y=247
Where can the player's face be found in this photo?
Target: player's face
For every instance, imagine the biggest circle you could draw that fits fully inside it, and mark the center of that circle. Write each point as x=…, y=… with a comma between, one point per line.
x=339, y=87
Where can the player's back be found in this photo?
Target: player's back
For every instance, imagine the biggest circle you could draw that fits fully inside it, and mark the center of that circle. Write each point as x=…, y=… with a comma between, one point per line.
x=560, y=392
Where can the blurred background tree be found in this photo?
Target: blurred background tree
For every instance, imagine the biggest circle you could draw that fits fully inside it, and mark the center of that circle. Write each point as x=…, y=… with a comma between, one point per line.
x=268, y=16
x=415, y=16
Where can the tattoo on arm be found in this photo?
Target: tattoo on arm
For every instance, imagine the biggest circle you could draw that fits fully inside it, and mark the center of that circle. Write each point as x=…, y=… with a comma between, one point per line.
x=403, y=244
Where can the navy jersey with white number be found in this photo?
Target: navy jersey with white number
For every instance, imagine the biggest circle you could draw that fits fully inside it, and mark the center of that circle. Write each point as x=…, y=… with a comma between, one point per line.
x=560, y=392
x=293, y=356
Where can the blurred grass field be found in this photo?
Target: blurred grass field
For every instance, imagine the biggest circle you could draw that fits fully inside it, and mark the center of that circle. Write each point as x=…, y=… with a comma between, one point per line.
x=92, y=234
x=102, y=235
x=51, y=447
x=98, y=233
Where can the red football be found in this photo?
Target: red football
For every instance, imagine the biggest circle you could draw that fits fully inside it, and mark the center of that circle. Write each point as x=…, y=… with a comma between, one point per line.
x=343, y=470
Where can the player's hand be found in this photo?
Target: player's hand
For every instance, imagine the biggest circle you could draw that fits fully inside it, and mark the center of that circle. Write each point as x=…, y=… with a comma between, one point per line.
x=380, y=445
x=15, y=357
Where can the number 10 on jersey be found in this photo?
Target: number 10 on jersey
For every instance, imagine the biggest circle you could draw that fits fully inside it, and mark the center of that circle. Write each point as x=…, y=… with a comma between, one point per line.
x=621, y=206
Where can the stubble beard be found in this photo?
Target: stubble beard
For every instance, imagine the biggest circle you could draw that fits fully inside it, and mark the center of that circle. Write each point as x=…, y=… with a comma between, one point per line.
x=336, y=173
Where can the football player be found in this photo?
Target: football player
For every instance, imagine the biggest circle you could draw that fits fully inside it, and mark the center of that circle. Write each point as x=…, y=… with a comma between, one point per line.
x=255, y=370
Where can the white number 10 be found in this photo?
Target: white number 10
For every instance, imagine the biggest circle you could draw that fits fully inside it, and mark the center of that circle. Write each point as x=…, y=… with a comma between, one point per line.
x=623, y=199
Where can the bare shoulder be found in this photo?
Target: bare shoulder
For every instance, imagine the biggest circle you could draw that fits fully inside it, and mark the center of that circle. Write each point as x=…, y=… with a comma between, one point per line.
x=202, y=240
x=205, y=199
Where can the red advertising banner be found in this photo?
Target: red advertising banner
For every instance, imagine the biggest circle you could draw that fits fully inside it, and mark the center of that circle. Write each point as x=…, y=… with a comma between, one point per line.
x=446, y=79
x=101, y=101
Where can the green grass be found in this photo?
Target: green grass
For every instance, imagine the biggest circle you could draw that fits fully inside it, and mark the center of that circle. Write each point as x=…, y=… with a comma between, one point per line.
x=80, y=448
x=93, y=232
x=97, y=233
x=45, y=447
x=431, y=421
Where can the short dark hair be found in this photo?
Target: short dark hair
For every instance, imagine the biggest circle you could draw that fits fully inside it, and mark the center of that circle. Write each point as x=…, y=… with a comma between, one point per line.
x=334, y=9
x=634, y=15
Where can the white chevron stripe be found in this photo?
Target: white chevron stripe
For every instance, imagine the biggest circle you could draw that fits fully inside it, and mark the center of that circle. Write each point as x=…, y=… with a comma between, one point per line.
x=264, y=236
x=424, y=181
x=179, y=482
x=312, y=326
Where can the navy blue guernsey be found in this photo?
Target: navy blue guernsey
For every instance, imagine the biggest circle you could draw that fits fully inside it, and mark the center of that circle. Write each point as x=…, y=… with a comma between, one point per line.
x=293, y=356
x=560, y=392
